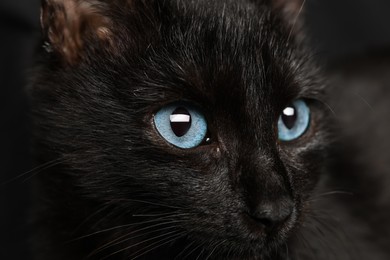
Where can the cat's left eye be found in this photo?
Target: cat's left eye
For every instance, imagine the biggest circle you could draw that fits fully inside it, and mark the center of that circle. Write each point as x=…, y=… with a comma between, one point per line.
x=294, y=121
x=181, y=124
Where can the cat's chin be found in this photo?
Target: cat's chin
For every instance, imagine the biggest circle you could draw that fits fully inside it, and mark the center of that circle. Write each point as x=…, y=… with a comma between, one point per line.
x=265, y=247
x=219, y=249
x=222, y=249
x=251, y=241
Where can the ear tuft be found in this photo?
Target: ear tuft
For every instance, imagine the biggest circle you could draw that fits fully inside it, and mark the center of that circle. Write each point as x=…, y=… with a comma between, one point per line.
x=67, y=24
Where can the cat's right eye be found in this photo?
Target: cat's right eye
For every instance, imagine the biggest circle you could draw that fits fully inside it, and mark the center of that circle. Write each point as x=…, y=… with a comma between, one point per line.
x=181, y=124
x=294, y=121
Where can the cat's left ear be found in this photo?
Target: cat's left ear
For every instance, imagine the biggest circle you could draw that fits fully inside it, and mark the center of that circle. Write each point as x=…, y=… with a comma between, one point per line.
x=72, y=26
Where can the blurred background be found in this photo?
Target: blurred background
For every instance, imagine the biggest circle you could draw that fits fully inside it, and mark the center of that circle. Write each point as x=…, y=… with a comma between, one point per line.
x=340, y=31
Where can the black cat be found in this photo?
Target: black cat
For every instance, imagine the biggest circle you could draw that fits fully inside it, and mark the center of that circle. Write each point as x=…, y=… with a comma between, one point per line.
x=179, y=129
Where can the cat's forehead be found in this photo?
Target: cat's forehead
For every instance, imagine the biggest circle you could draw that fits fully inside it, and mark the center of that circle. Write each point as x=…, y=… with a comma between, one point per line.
x=230, y=21
x=223, y=51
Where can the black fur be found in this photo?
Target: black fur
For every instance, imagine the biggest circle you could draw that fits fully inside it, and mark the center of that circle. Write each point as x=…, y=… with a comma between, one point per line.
x=112, y=188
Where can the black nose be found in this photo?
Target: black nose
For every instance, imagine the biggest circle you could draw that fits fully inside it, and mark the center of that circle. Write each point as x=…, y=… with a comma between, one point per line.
x=272, y=214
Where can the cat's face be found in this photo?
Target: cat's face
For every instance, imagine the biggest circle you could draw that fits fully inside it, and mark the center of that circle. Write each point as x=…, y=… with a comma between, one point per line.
x=198, y=119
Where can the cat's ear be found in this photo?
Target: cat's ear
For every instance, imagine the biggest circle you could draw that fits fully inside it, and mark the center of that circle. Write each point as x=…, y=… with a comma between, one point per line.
x=68, y=24
x=291, y=10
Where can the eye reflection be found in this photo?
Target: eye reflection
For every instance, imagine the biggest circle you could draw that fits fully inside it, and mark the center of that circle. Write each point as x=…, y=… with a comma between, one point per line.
x=180, y=121
x=289, y=116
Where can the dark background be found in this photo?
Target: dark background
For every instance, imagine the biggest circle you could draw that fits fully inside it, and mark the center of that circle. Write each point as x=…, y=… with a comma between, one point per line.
x=339, y=29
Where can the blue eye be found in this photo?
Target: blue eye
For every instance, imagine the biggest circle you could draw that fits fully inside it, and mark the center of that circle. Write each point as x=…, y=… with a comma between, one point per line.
x=181, y=124
x=294, y=121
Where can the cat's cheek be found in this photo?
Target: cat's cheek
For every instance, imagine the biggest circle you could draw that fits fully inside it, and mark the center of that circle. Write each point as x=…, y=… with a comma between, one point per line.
x=306, y=156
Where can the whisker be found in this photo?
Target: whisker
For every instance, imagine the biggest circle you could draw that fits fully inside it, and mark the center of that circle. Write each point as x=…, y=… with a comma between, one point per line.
x=175, y=237
x=302, y=238
x=364, y=100
x=112, y=215
x=193, y=250
x=329, y=193
x=36, y=170
x=335, y=235
x=322, y=238
x=151, y=215
x=90, y=217
x=329, y=107
x=336, y=232
x=139, y=243
x=201, y=253
x=220, y=243
x=229, y=252
x=182, y=251
x=152, y=203
x=124, y=238
x=118, y=227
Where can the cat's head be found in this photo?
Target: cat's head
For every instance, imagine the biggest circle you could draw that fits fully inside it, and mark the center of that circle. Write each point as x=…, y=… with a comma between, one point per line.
x=201, y=117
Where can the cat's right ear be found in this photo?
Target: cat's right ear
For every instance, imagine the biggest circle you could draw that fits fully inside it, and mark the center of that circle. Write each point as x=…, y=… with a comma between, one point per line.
x=291, y=11
x=69, y=25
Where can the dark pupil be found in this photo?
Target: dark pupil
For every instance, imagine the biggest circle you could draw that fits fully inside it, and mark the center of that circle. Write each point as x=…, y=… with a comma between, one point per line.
x=180, y=121
x=289, y=116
